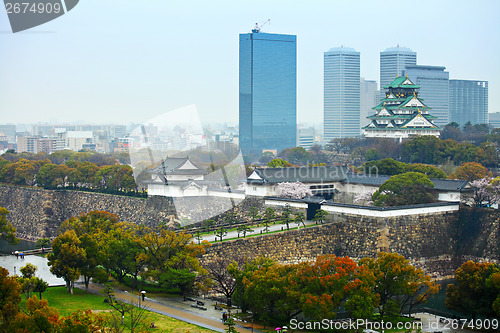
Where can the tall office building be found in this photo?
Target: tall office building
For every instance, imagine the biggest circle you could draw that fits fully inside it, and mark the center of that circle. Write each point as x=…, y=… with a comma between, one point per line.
x=268, y=92
x=393, y=62
x=469, y=101
x=435, y=89
x=369, y=98
x=341, y=93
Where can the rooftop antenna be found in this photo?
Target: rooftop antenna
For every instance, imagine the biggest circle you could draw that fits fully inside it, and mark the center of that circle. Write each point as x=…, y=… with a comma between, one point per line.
x=259, y=26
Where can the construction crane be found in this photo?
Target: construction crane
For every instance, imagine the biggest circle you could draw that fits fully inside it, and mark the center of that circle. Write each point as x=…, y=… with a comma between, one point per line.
x=259, y=26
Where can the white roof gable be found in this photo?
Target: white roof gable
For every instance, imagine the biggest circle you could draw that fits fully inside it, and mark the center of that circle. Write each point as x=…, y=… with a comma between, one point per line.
x=419, y=121
x=384, y=112
x=414, y=102
x=254, y=175
x=188, y=165
x=407, y=82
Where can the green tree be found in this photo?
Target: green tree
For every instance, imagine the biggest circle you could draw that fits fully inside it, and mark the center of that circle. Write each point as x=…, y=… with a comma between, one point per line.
x=279, y=163
x=405, y=189
x=221, y=232
x=426, y=169
x=39, y=286
x=66, y=258
x=386, y=166
x=269, y=216
x=253, y=213
x=286, y=215
x=299, y=218
x=243, y=229
x=372, y=154
x=172, y=260
x=7, y=230
x=320, y=216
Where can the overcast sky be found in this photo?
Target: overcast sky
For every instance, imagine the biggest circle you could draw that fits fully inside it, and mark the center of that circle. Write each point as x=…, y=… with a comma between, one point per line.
x=128, y=61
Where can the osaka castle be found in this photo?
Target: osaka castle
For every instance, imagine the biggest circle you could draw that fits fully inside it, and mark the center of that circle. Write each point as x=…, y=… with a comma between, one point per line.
x=401, y=114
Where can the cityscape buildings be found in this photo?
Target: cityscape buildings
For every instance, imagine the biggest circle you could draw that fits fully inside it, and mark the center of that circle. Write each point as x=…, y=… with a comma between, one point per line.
x=341, y=93
x=401, y=114
x=267, y=92
x=469, y=101
x=434, y=83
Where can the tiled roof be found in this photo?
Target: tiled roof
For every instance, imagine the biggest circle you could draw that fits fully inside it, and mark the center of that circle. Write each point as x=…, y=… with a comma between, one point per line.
x=301, y=174
x=171, y=166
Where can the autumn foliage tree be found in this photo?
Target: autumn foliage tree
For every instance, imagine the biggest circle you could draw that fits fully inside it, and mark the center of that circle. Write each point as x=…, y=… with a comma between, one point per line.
x=470, y=171
x=476, y=289
x=399, y=285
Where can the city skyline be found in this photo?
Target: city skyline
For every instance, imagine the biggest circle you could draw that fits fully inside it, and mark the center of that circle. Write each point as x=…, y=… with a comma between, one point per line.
x=103, y=63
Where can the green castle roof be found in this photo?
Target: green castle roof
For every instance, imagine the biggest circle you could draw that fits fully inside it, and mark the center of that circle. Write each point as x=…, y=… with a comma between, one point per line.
x=398, y=83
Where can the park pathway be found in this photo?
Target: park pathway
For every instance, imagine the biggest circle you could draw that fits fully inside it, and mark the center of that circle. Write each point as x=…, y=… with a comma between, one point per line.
x=161, y=307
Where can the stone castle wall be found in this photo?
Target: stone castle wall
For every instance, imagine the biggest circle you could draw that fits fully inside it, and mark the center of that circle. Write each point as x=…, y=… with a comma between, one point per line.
x=435, y=242
x=439, y=241
x=38, y=213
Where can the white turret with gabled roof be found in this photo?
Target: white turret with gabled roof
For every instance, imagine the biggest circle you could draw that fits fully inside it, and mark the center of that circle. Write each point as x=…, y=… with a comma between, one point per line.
x=401, y=114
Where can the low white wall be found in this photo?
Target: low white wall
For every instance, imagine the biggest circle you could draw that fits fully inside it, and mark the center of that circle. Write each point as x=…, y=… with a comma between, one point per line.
x=361, y=211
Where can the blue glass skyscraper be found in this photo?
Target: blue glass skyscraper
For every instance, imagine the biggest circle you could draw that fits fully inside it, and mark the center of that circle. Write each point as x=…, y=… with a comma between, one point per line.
x=268, y=92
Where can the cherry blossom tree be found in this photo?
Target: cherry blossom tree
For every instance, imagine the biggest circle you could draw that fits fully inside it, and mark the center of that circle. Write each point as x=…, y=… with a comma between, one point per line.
x=364, y=198
x=295, y=190
x=486, y=192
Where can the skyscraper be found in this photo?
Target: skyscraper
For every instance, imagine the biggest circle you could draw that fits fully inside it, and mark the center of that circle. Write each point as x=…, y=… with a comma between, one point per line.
x=268, y=92
x=341, y=93
x=435, y=89
x=469, y=101
x=393, y=62
x=369, y=97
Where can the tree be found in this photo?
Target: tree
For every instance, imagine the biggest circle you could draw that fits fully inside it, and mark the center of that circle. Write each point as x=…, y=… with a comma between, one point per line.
x=299, y=218
x=269, y=216
x=253, y=213
x=372, y=154
x=244, y=228
x=486, y=192
x=295, y=190
x=331, y=282
x=470, y=171
x=471, y=293
x=10, y=296
x=221, y=232
x=404, y=189
x=7, y=230
x=279, y=163
x=266, y=157
x=40, y=286
x=426, y=169
x=66, y=258
x=92, y=231
x=386, y=166
x=285, y=215
x=320, y=216
x=397, y=283
x=208, y=223
x=137, y=313
x=172, y=260
x=225, y=283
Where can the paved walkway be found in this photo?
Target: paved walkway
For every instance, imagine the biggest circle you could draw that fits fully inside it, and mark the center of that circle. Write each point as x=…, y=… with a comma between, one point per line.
x=175, y=308
x=257, y=231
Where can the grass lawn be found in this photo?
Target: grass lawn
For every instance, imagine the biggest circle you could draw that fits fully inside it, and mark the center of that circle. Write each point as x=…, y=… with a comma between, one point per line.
x=66, y=304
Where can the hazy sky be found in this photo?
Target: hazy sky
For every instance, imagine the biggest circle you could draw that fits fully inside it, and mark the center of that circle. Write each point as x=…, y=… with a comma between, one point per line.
x=128, y=61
